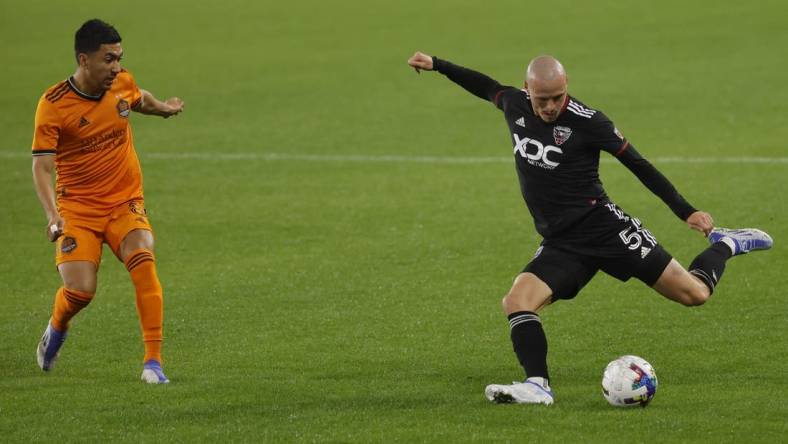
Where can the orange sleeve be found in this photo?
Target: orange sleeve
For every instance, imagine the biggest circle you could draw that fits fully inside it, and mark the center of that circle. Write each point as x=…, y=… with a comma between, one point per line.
x=47, y=128
x=134, y=90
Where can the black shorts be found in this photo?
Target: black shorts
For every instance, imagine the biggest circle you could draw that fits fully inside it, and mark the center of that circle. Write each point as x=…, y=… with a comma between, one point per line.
x=608, y=240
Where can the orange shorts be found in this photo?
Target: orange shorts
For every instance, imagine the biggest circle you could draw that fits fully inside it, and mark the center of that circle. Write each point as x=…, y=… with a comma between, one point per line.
x=83, y=237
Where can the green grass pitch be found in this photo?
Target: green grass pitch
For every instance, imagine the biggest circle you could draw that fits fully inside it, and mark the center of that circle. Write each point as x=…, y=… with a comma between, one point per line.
x=330, y=276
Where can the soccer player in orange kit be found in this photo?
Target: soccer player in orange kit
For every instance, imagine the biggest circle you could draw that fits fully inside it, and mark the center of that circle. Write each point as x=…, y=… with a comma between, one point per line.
x=82, y=131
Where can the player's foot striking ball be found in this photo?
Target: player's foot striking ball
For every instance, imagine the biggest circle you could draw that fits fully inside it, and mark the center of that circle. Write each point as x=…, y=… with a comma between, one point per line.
x=556, y=143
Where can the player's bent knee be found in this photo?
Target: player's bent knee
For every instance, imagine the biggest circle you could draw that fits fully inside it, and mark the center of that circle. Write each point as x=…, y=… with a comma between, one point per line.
x=678, y=285
x=84, y=285
x=527, y=294
x=135, y=240
x=515, y=303
x=696, y=296
x=79, y=276
x=81, y=286
x=691, y=296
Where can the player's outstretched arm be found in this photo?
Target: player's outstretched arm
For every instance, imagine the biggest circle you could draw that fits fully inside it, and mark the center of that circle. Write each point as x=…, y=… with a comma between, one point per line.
x=472, y=81
x=658, y=184
x=43, y=168
x=151, y=105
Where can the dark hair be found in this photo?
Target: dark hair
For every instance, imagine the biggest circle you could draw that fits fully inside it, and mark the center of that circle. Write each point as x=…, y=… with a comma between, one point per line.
x=92, y=34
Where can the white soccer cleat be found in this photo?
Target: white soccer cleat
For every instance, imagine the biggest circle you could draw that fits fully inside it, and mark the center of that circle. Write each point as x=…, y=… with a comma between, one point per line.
x=152, y=373
x=48, y=349
x=533, y=391
x=743, y=240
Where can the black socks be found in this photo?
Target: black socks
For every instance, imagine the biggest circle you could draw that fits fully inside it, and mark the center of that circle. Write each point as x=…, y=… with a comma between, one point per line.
x=710, y=264
x=530, y=343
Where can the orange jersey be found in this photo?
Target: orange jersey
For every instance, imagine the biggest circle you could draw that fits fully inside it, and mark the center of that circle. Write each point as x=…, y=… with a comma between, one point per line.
x=90, y=137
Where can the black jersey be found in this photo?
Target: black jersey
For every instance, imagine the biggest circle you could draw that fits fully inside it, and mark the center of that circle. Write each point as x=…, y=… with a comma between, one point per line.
x=558, y=162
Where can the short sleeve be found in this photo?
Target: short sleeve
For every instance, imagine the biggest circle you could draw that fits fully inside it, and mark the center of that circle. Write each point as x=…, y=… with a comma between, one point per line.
x=605, y=135
x=133, y=89
x=47, y=128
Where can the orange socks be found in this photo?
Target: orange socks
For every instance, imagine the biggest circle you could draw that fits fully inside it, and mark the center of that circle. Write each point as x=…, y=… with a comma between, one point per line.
x=142, y=268
x=67, y=304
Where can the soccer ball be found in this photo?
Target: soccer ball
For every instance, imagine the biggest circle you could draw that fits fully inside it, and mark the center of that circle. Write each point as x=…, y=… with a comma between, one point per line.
x=629, y=381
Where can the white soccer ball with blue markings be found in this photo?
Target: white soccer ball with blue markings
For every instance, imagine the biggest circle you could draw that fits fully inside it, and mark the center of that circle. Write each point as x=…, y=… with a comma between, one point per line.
x=629, y=381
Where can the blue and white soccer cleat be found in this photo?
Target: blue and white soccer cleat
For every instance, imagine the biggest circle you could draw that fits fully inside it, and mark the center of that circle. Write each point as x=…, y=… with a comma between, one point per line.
x=742, y=241
x=152, y=373
x=49, y=347
x=531, y=391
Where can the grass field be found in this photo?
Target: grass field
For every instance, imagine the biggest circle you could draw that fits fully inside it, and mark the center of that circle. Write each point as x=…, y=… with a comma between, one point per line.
x=334, y=232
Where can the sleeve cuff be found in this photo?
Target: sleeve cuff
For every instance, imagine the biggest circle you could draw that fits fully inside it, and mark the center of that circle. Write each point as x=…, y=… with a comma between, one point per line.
x=686, y=211
x=438, y=64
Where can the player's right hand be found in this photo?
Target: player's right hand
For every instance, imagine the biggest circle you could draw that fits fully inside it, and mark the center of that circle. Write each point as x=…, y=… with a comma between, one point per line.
x=420, y=61
x=55, y=228
x=701, y=221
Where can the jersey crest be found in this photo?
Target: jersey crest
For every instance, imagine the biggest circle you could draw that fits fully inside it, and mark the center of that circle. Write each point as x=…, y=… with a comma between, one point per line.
x=561, y=134
x=123, y=108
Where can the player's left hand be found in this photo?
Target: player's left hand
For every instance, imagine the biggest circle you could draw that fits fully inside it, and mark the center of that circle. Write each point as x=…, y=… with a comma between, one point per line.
x=172, y=106
x=701, y=221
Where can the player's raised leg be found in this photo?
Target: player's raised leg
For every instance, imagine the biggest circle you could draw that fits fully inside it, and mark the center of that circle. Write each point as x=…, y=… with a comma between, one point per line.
x=526, y=297
x=79, y=287
x=678, y=284
x=695, y=285
x=136, y=252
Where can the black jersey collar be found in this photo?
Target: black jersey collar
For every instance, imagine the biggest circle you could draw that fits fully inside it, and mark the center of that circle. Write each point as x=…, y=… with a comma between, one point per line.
x=73, y=86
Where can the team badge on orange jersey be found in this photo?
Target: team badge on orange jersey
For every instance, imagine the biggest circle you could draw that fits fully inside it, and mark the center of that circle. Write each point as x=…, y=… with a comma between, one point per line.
x=136, y=207
x=68, y=244
x=561, y=133
x=123, y=108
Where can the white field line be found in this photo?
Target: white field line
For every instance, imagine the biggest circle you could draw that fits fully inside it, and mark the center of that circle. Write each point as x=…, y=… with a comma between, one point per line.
x=383, y=158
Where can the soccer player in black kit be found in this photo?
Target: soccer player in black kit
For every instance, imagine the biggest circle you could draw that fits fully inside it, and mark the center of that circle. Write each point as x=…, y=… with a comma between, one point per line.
x=557, y=140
